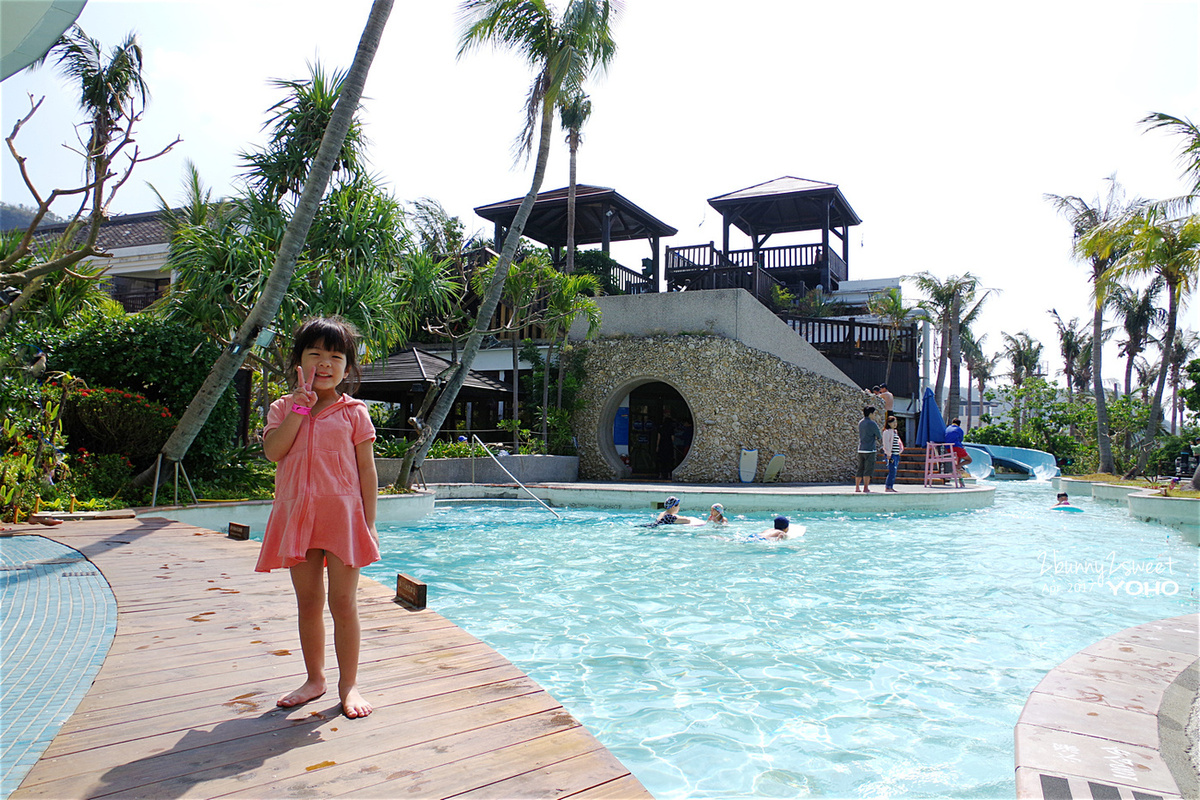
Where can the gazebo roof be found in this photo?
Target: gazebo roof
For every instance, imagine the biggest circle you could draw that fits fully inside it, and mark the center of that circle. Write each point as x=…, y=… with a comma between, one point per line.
x=404, y=372
x=784, y=205
x=548, y=221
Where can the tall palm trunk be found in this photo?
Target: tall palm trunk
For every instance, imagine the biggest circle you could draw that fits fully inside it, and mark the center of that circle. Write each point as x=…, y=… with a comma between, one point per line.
x=1155, y=421
x=487, y=307
x=571, y=192
x=280, y=277
x=1103, y=442
x=943, y=357
x=516, y=389
x=954, y=398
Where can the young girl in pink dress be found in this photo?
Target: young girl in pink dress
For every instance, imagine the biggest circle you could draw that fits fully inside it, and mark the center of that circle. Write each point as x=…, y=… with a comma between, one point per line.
x=323, y=518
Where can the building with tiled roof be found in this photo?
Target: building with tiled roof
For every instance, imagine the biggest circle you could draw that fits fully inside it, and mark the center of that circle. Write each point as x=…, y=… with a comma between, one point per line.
x=137, y=275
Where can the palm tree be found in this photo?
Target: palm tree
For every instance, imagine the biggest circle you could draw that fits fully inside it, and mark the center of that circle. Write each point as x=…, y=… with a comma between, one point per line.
x=562, y=52
x=1182, y=349
x=891, y=310
x=573, y=111
x=1023, y=352
x=280, y=277
x=1190, y=152
x=1152, y=244
x=1071, y=341
x=972, y=353
x=1084, y=219
x=1190, y=157
x=1139, y=314
x=983, y=370
x=945, y=304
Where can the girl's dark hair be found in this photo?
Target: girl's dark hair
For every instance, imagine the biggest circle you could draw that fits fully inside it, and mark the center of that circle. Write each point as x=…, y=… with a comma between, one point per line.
x=334, y=333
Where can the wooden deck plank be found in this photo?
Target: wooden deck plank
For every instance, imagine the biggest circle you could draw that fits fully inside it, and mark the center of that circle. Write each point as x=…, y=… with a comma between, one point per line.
x=184, y=704
x=256, y=730
x=451, y=689
x=398, y=772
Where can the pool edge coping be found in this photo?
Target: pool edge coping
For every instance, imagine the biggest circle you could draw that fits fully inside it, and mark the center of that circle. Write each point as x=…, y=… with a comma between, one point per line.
x=1073, y=754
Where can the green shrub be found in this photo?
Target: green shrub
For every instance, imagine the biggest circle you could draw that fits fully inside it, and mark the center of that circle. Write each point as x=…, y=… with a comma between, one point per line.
x=243, y=473
x=391, y=448
x=100, y=474
x=165, y=361
x=106, y=420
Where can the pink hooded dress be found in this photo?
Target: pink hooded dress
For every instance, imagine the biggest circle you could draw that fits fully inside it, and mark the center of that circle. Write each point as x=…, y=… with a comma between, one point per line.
x=318, y=496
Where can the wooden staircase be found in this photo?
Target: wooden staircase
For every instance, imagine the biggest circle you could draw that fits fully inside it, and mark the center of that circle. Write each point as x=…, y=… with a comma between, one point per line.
x=911, y=471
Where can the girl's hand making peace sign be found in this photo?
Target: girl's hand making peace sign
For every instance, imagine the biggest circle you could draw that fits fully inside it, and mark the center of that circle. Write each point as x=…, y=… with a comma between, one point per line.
x=303, y=394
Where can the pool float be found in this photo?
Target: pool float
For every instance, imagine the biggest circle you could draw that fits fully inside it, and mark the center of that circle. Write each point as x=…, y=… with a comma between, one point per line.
x=748, y=465
x=1076, y=509
x=774, y=467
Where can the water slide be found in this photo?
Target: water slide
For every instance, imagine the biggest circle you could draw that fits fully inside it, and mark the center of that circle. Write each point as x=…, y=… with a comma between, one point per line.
x=1026, y=463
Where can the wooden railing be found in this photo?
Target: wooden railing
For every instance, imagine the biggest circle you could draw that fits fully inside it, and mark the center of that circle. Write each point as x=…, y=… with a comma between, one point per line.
x=827, y=266
x=629, y=282
x=854, y=339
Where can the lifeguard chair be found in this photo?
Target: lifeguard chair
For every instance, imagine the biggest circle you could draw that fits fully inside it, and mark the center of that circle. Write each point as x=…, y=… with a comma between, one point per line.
x=936, y=454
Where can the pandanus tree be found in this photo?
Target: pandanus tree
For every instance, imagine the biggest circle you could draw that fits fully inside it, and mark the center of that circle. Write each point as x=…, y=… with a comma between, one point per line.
x=275, y=287
x=1085, y=218
x=352, y=259
x=562, y=51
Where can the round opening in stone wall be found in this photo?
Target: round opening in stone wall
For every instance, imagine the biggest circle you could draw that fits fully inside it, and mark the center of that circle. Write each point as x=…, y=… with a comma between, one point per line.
x=646, y=430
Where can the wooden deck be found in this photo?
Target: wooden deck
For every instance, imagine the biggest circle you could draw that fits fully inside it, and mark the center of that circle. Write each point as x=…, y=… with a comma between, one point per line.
x=184, y=705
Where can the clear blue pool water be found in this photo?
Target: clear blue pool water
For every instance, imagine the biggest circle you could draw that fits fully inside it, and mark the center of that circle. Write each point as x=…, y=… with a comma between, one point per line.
x=879, y=656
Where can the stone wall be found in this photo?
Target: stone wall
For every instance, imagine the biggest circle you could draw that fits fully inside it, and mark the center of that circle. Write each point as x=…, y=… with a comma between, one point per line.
x=739, y=397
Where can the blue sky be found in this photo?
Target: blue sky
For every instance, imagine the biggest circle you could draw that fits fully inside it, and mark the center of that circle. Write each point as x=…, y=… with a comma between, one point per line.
x=943, y=123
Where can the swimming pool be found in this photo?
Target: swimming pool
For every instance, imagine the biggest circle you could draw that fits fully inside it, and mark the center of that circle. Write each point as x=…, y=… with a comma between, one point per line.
x=887, y=655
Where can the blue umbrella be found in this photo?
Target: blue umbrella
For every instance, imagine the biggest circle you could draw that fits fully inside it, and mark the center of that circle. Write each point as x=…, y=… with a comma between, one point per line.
x=930, y=426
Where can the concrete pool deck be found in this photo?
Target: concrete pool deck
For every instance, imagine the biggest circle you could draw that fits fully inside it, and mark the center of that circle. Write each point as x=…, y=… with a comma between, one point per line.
x=183, y=705
x=1116, y=720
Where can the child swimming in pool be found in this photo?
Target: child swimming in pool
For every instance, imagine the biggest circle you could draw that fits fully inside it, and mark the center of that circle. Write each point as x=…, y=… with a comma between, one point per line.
x=716, y=515
x=670, y=515
x=326, y=487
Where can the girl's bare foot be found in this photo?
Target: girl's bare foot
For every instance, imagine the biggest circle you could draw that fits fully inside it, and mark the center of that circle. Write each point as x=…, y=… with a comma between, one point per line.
x=353, y=704
x=310, y=691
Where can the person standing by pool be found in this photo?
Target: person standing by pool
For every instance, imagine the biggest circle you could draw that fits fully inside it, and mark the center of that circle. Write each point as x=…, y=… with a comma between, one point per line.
x=326, y=489
x=954, y=438
x=888, y=398
x=665, y=449
x=893, y=446
x=869, y=438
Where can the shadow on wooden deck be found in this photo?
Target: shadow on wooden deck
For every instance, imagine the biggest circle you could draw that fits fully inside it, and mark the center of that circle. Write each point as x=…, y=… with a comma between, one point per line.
x=184, y=705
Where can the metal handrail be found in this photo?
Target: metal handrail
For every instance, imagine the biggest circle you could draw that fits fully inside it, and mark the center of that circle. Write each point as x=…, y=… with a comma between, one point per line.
x=514, y=477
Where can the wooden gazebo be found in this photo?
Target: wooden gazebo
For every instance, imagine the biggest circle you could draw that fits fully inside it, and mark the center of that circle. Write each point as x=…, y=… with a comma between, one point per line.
x=602, y=216
x=404, y=379
x=784, y=205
